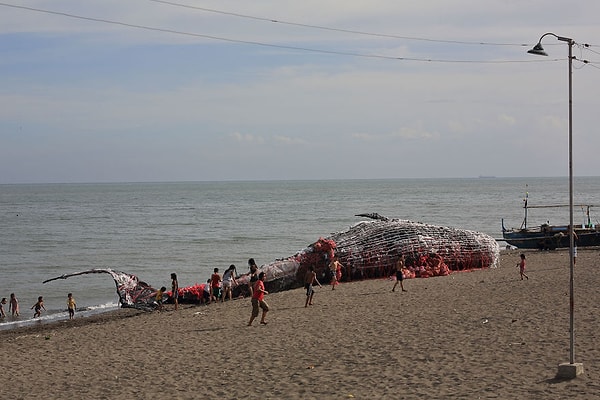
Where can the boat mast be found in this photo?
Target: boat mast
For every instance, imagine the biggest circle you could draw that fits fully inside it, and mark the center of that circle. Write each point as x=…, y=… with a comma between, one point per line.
x=589, y=221
x=524, y=223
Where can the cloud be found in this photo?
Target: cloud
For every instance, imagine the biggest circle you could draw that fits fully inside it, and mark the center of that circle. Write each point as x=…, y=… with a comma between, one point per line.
x=553, y=123
x=177, y=103
x=414, y=133
x=246, y=138
x=287, y=140
x=366, y=137
x=507, y=120
x=404, y=133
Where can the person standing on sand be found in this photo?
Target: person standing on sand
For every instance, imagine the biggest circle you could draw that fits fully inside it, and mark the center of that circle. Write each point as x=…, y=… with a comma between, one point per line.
x=335, y=269
x=215, y=284
x=159, y=298
x=258, y=301
x=253, y=275
x=2, y=303
x=71, y=305
x=38, y=307
x=175, y=290
x=309, y=280
x=228, y=282
x=399, y=274
x=13, y=306
x=521, y=266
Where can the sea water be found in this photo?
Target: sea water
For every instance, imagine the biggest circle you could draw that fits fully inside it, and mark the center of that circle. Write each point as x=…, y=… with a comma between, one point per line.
x=153, y=229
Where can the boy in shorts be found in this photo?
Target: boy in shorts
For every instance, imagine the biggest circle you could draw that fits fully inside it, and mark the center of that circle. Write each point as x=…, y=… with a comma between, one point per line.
x=309, y=280
x=160, y=298
x=71, y=305
x=399, y=275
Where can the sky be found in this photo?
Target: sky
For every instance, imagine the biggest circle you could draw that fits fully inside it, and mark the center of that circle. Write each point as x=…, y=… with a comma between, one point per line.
x=189, y=90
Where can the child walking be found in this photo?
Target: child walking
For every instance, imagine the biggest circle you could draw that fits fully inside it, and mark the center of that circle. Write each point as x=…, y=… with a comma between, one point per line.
x=159, y=298
x=309, y=280
x=13, y=306
x=335, y=270
x=71, y=305
x=521, y=266
x=2, y=303
x=37, y=307
x=258, y=296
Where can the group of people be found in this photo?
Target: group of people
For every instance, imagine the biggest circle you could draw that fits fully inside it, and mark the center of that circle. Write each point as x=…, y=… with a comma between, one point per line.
x=222, y=288
x=218, y=288
x=160, y=294
x=13, y=306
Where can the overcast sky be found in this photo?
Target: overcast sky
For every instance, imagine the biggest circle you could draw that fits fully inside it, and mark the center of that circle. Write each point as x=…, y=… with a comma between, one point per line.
x=188, y=90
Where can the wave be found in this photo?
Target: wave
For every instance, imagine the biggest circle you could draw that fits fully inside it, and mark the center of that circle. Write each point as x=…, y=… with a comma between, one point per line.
x=21, y=321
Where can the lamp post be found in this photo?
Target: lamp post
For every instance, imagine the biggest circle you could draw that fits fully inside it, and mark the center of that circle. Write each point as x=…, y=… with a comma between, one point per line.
x=571, y=369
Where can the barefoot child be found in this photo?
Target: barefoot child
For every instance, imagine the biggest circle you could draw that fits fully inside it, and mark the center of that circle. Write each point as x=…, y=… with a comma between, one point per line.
x=71, y=305
x=258, y=301
x=521, y=266
x=175, y=290
x=159, y=298
x=13, y=306
x=37, y=307
x=215, y=284
x=399, y=274
x=309, y=280
x=335, y=269
x=2, y=303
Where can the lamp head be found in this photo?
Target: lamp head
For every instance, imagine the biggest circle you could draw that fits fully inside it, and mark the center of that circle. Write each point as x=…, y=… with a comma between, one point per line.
x=538, y=50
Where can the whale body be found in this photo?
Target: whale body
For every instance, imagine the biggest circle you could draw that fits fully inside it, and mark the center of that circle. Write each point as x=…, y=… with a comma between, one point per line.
x=367, y=250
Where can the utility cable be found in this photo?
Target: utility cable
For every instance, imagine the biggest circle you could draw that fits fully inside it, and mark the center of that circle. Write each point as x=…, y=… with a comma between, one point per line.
x=286, y=47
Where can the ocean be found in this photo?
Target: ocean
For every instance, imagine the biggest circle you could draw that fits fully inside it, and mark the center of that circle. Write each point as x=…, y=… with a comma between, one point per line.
x=154, y=229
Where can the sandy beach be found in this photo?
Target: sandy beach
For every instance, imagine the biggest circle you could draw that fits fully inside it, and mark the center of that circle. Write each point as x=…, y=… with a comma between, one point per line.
x=482, y=334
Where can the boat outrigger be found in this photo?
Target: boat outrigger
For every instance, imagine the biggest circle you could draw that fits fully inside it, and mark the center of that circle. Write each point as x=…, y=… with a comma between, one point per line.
x=551, y=237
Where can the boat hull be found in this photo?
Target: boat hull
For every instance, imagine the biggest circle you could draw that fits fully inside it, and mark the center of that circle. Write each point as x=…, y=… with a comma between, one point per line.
x=551, y=240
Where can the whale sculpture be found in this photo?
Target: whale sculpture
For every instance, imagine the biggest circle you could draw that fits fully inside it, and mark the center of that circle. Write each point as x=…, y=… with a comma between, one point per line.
x=132, y=292
x=368, y=249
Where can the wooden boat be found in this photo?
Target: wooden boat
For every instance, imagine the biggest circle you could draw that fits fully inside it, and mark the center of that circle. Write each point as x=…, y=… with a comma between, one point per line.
x=551, y=237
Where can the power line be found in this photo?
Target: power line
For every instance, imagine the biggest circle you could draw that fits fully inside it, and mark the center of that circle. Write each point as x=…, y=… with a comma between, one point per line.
x=336, y=29
x=588, y=48
x=285, y=47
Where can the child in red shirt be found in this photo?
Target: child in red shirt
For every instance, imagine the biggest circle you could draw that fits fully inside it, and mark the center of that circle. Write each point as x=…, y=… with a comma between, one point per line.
x=521, y=266
x=215, y=284
x=258, y=301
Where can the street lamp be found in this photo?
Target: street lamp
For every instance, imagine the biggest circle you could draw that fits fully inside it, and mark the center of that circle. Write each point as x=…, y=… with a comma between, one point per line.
x=571, y=369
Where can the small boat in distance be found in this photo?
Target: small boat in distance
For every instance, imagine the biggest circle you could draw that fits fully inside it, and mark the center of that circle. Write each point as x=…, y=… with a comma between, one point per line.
x=551, y=237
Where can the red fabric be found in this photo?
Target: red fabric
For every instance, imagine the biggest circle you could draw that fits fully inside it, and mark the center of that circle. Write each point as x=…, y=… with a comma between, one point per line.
x=215, y=281
x=258, y=292
x=190, y=293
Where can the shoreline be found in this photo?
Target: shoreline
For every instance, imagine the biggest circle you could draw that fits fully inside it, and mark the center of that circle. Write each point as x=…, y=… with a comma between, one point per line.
x=34, y=326
x=10, y=323
x=483, y=333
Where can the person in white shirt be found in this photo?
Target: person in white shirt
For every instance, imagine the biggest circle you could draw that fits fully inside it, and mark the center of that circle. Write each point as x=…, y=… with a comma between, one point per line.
x=228, y=282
